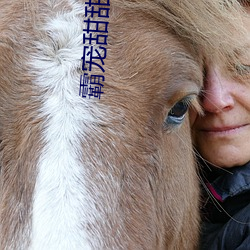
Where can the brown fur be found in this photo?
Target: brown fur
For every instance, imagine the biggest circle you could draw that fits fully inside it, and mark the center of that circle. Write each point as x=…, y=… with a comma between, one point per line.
x=143, y=172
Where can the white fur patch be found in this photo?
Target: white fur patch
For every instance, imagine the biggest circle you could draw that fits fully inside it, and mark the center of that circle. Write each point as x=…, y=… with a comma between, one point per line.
x=61, y=203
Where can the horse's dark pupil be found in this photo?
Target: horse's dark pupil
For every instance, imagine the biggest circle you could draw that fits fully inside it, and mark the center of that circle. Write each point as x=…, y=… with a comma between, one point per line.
x=179, y=109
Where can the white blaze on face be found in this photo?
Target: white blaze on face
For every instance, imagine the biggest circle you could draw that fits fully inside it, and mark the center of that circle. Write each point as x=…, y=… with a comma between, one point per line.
x=61, y=203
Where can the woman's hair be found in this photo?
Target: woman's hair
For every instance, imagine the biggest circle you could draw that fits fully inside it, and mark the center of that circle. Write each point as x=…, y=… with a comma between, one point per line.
x=210, y=26
x=244, y=2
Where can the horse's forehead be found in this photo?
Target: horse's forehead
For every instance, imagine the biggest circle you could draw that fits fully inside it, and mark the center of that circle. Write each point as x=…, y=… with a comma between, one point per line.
x=141, y=49
x=153, y=57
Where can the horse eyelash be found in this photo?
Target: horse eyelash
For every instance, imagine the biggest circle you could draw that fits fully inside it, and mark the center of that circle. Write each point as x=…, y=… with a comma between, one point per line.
x=195, y=105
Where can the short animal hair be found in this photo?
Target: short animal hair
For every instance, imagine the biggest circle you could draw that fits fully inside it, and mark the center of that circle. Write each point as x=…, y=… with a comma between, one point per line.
x=197, y=21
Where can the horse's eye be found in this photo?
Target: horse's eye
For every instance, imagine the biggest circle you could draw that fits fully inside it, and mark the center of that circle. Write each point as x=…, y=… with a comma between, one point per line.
x=178, y=112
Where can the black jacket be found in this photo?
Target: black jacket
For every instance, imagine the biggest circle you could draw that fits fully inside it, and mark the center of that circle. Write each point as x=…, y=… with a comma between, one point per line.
x=226, y=211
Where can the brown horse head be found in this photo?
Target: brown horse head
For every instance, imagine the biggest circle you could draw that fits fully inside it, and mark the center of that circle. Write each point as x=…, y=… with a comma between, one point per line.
x=115, y=172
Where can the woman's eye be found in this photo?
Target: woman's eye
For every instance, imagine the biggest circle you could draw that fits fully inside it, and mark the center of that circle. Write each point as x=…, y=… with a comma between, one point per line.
x=177, y=113
x=242, y=69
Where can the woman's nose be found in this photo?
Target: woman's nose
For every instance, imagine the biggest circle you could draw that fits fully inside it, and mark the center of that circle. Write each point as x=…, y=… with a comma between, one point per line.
x=217, y=93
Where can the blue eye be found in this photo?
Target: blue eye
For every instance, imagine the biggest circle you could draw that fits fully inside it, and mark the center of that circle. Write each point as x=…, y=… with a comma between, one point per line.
x=178, y=112
x=242, y=69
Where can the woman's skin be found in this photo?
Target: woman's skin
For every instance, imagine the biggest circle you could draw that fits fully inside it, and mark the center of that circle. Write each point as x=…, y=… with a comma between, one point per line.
x=222, y=135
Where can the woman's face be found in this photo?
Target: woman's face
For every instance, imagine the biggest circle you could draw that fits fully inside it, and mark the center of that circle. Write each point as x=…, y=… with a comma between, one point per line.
x=222, y=136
